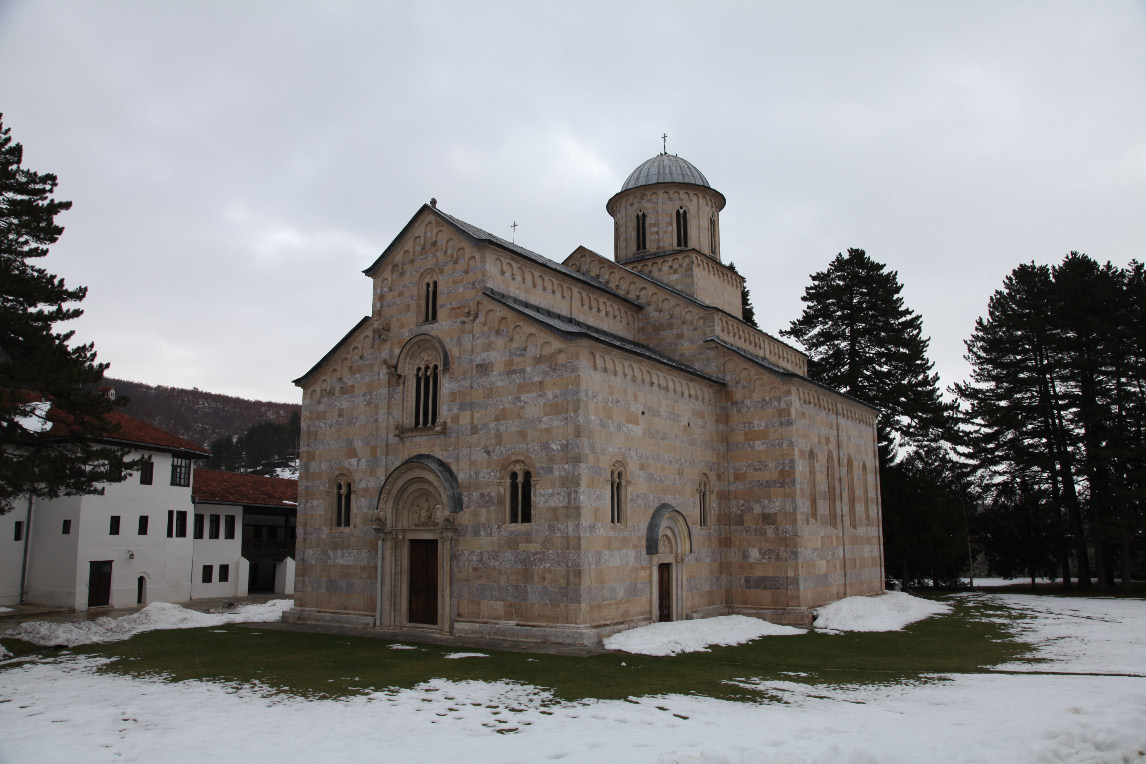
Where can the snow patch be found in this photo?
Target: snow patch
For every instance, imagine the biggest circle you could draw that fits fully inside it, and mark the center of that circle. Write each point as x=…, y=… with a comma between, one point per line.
x=890, y=611
x=454, y=656
x=5, y=610
x=674, y=637
x=157, y=615
x=4, y=653
x=34, y=416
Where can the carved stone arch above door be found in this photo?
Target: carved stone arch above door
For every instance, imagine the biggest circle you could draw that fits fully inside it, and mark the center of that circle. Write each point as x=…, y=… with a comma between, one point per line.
x=415, y=526
x=668, y=541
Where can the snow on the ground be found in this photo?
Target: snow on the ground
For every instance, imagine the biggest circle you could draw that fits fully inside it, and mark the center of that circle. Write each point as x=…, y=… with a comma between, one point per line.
x=33, y=417
x=1020, y=581
x=5, y=610
x=1080, y=634
x=98, y=718
x=674, y=637
x=455, y=656
x=157, y=615
x=63, y=710
x=890, y=611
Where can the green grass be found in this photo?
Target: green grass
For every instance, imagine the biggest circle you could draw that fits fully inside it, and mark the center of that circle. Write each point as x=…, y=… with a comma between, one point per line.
x=321, y=665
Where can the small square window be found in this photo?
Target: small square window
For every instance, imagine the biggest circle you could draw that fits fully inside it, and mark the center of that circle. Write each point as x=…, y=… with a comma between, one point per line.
x=18, y=531
x=142, y=525
x=256, y=531
x=147, y=472
x=67, y=528
x=229, y=526
x=272, y=532
x=224, y=573
x=208, y=573
x=114, y=528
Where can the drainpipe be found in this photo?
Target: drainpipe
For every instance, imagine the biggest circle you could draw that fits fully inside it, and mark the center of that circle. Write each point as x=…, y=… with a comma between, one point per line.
x=27, y=539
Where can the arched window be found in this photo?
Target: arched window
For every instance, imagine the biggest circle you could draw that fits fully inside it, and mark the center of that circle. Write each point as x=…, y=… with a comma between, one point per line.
x=428, y=296
x=851, y=492
x=642, y=239
x=422, y=365
x=519, y=492
x=343, y=495
x=831, y=490
x=681, y=228
x=866, y=508
x=712, y=235
x=704, y=500
x=813, y=499
x=426, y=386
x=618, y=493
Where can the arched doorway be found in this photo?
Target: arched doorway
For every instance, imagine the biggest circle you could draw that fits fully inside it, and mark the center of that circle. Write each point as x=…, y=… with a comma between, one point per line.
x=668, y=541
x=416, y=533
x=141, y=591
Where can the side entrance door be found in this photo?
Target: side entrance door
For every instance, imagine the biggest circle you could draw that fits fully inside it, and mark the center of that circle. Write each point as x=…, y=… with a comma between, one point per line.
x=99, y=583
x=423, y=577
x=664, y=591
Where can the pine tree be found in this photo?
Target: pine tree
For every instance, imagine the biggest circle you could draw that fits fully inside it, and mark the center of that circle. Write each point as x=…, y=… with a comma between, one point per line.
x=747, y=312
x=863, y=341
x=38, y=364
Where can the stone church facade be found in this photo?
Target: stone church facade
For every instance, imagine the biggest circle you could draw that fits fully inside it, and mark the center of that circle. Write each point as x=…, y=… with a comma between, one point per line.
x=515, y=447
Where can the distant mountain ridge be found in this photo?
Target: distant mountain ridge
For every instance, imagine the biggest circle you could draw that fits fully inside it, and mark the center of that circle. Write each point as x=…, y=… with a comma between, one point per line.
x=195, y=414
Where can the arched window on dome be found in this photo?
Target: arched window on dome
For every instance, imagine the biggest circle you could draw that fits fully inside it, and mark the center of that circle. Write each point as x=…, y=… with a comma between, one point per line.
x=682, y=228
x=712, y=234
x=642, y=238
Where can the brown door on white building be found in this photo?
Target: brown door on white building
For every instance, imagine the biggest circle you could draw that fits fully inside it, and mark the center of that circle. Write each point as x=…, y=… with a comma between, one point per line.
x=99, y=583
x=664, y=591
x=423, y=581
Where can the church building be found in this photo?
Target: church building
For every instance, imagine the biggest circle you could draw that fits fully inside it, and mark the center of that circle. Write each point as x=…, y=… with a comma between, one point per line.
x=514, y=447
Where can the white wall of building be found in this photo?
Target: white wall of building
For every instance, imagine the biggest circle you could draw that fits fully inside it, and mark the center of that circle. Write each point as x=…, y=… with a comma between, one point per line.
x=61, y=564
x=12, y=553
x=213, y=553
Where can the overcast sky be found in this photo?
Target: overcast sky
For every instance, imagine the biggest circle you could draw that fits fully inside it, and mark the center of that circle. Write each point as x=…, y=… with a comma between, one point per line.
x=235, y=166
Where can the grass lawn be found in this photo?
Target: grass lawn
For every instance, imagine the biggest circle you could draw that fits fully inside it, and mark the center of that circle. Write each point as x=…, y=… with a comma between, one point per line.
x=970, y=639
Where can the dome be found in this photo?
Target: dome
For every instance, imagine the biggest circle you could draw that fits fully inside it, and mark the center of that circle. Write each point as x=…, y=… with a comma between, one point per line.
x=665, y=168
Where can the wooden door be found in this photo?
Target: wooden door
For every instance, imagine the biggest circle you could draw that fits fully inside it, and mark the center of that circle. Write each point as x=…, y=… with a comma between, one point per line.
x=99, y=583
x=664, y=591
x=423, y=575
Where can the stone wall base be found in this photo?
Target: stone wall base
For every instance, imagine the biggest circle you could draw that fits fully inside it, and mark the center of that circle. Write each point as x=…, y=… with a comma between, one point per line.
x=312, y=616
x=791, y=616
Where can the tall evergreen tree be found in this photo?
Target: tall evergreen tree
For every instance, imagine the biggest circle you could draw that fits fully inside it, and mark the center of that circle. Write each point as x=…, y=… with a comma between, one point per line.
x=862, y=340
x=747, y=312
x=37, y=457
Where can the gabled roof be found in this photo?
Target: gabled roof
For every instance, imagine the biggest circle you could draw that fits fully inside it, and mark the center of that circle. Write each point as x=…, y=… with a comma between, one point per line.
x=219, y=487
x=130, y=432
x=477, y=236
x=310, y=372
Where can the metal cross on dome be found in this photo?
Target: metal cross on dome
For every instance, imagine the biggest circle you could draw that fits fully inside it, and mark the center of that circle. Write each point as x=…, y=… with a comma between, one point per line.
x=664, y=143
x=514, y=227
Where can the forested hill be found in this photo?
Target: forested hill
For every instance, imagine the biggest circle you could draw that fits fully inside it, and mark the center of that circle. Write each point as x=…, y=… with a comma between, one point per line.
x=197, y=415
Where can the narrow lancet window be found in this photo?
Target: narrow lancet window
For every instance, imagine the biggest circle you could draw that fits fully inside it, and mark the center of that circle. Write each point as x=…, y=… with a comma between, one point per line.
x=527, y=498
x=514, y=499
x=682, y=228
x=642, y=241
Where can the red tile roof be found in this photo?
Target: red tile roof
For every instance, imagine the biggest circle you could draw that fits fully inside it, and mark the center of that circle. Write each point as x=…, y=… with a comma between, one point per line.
x=130, y=432
x=219, y=487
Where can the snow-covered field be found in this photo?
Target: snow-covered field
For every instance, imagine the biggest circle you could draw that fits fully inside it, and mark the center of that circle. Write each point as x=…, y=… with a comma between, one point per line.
x=60, y=710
